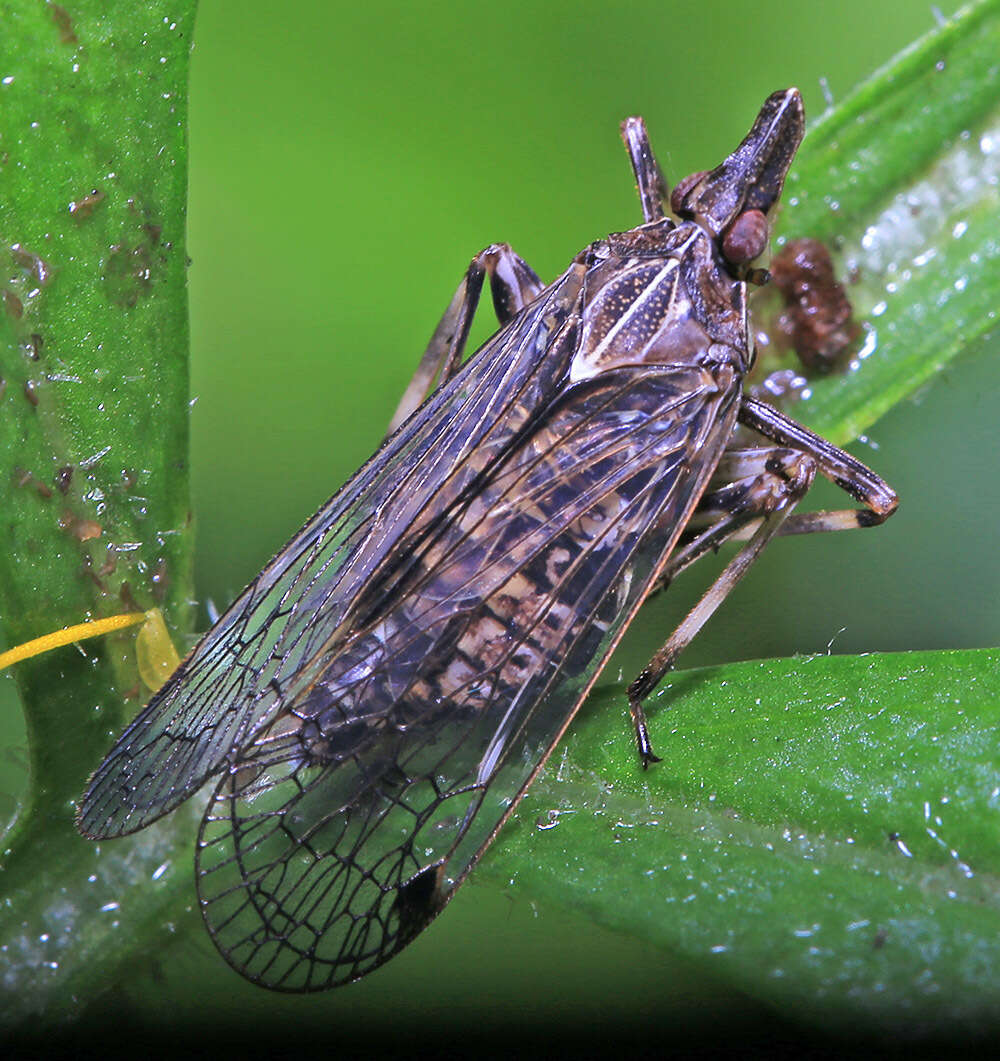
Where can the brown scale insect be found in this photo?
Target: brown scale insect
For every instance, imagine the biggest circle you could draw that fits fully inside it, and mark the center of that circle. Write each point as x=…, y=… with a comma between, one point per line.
x=817, y=320
x=86, y=204
x=371, y=708
x=12, y=304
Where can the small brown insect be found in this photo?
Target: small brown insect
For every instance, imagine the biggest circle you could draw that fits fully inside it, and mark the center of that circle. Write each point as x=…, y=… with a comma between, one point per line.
x=22, y=477
x=86, y=204
x=12, y=304
x=33, y=265
x=817, y=319
x=81, y=529
x=372, y=707
x=85, y=529
x=63, y=477
x=63, y=23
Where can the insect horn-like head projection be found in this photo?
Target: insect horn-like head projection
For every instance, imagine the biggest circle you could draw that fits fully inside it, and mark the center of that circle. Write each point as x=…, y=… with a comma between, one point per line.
x=734, y=199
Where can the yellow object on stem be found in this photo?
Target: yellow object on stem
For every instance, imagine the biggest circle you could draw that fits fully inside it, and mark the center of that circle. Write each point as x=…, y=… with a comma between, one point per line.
x=155, y=652
x=69, y=636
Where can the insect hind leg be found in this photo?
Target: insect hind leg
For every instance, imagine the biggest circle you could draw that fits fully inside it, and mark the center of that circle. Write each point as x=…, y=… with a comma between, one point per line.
x=513, y=284
x=764, y=501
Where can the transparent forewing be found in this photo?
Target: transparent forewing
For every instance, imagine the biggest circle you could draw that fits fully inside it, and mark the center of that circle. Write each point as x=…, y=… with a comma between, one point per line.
x=348, y=820
x=291, y=617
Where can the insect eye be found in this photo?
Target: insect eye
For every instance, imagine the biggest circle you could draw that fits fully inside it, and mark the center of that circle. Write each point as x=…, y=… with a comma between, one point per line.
x=746, y=238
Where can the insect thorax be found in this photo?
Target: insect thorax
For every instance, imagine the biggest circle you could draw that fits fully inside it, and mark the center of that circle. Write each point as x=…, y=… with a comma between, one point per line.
x=660, y=295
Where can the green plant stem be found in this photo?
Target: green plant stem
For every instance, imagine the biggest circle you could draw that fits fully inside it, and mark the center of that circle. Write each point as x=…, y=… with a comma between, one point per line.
x=94, y=432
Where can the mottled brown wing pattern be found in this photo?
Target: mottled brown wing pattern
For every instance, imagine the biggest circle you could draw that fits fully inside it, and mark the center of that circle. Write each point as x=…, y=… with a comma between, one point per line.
x=239, y=675
x=375, y=703
x=347, y=822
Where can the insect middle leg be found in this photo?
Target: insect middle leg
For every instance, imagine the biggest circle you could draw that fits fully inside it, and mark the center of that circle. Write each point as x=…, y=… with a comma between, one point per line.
x=513, y=284
x=728, y=512
x=769, y=484
x=746, y=500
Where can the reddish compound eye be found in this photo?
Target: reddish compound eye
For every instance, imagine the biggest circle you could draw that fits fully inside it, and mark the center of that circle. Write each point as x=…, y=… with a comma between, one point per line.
x=746, y=238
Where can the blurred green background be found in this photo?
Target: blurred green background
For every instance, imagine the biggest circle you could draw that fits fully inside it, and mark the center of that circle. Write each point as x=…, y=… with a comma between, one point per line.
x=346, y=162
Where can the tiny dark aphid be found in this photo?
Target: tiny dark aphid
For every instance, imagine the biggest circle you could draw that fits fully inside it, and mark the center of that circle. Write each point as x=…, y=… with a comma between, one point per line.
x=374, y=704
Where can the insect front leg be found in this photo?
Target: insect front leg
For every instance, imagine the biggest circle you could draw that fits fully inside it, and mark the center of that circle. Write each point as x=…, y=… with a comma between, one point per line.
x=736, y=471
x=649, y=179
x=879, y=499
x=513, y=284
x=770, y=483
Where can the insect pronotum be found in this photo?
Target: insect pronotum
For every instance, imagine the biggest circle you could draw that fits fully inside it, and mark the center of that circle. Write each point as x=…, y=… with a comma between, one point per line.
x=374, y=704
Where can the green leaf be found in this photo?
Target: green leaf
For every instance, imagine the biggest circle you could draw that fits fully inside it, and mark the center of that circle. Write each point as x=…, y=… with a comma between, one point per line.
x=903, y=180
x=763, y=845
x=822, y=832
x=94, y=431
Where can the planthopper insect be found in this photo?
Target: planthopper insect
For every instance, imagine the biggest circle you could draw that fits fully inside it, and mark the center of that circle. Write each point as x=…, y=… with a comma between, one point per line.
x=373, y=705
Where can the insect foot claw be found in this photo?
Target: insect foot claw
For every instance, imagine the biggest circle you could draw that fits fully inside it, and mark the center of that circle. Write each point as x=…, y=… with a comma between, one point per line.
x=648, y=756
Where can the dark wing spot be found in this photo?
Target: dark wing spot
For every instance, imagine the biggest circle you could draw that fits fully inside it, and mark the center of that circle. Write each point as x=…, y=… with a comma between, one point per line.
x=420, y=900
